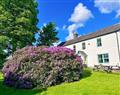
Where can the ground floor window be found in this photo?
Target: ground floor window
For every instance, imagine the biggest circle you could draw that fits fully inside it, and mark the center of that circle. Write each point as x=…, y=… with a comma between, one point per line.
x=103, y=58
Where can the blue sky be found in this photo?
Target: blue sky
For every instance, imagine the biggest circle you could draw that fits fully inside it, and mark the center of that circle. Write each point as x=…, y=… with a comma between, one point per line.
x=82, y=16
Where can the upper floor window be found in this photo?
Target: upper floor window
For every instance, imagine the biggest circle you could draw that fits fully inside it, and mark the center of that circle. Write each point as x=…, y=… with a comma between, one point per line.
x=99, y=43
x=103, y=58
x=83, y=46
x=74, y=48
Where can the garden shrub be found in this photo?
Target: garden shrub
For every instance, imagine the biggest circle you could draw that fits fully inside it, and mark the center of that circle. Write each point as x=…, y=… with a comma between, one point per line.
x=42, y=67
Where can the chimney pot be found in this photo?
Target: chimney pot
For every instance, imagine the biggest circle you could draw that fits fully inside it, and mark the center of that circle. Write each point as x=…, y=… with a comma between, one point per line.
x=75, y=34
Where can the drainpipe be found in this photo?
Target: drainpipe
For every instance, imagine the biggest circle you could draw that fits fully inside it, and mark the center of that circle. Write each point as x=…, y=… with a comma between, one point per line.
x=118, y=48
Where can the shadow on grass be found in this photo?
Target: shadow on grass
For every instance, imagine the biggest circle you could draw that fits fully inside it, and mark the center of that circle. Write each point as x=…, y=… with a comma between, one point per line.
x=86, y=73
x=4, y=90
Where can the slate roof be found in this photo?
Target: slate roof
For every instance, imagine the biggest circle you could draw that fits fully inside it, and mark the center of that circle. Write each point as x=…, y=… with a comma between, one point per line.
x=105, y=31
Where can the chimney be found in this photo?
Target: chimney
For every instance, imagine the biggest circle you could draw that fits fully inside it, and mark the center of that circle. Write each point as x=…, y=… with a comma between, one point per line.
x=75, y=35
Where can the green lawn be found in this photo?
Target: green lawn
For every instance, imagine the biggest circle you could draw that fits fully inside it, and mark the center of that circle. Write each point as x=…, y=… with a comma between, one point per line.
x=97, y=83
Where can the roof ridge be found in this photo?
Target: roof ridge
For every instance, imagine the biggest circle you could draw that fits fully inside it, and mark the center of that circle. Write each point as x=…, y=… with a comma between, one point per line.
x=104, y=31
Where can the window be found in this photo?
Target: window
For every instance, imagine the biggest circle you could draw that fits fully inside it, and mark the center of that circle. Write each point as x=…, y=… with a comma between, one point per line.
x=103, y=58
x=100, y=59
x=78, y=52
x=106, y=58
x=83, y=46
x=99, y=43
x=74, y=48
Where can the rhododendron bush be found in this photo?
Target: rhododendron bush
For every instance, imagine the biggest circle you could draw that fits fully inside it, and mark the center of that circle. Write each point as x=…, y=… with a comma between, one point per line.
x=42, y=67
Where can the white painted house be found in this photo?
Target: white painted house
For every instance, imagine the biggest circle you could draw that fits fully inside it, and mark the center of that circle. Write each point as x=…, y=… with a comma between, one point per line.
x=100, y=47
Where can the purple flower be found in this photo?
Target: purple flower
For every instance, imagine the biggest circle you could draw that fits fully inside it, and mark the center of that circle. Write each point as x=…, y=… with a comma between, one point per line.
x=78, y=58
x=34, y=66
x=59, y=50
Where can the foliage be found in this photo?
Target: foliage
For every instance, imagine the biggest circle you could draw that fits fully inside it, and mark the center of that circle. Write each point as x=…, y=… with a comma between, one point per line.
x=18, y=20
x=42, y=67
x=48, y=35
x=3, y=42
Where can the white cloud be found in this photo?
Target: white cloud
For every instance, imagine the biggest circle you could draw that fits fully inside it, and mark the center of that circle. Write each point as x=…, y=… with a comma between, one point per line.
x=70, y=36
x=57, y=28
x=80, y=15
x=108, y=6
x=118, y=14
x=64, y=27
x=44, y=24
x=73, y=28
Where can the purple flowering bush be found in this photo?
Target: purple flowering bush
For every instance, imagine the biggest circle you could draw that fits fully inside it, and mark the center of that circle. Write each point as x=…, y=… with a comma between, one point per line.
x=42, y=67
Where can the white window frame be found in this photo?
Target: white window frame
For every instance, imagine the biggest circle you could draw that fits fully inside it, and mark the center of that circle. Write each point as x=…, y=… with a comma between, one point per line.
x=104, y=58
x=99, y=42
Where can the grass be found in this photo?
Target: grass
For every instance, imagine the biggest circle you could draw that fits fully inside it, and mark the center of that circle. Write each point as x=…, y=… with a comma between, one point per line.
x=97, y=83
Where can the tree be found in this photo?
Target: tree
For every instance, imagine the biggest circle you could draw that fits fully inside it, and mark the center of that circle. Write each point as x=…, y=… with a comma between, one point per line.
x=3, y=43
x=18, y=20
x=48, y=35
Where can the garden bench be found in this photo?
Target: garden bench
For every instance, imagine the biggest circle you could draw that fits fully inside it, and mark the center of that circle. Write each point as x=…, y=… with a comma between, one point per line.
x=102, y=68
x=115, y=68
x=106, y=68
x=96, y=67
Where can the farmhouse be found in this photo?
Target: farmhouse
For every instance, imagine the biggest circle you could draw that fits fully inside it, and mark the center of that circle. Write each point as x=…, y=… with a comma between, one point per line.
x=100, y=47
